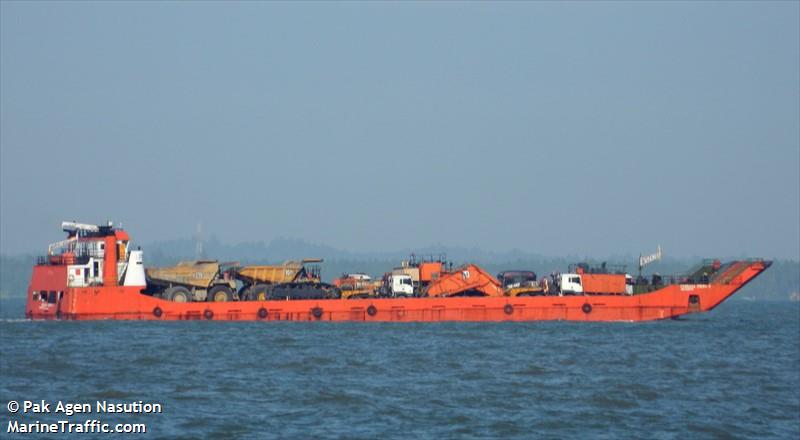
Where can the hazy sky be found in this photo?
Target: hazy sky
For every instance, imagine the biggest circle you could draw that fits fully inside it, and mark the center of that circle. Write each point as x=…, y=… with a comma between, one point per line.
x=579, y=128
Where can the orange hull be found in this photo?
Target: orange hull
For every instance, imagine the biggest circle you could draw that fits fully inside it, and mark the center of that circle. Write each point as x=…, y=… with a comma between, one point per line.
x=127, y=303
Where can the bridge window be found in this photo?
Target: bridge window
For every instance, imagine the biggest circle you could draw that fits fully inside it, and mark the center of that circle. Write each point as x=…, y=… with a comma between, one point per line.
x=35, y=296
x=51, y=298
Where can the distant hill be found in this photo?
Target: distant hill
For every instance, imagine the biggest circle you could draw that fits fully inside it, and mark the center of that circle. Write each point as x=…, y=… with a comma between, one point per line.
x=282, y=249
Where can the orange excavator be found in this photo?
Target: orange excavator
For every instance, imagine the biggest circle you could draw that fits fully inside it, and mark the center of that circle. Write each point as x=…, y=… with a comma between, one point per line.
x=468, y=280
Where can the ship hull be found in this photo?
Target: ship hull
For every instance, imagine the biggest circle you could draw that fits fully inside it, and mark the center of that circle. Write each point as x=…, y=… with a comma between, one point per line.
x=125, y=303
x=128, y=303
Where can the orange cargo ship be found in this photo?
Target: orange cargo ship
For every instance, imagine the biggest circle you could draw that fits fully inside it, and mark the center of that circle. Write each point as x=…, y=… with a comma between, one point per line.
x=94, y=275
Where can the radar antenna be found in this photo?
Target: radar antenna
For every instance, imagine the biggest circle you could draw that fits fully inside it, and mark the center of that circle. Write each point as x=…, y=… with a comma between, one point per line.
x=199, y=252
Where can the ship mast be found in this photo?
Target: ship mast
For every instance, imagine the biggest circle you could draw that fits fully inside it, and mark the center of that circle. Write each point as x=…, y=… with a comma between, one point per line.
x=199, y=252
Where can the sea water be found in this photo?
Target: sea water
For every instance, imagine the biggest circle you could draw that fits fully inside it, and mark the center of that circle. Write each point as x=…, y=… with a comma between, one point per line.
x=731, y=373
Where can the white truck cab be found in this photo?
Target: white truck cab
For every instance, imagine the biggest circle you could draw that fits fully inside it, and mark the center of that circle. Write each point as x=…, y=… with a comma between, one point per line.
x=570, y=284
x=401, y=285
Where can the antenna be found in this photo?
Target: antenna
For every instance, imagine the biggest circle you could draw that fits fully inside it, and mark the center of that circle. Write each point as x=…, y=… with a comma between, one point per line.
x=199, y=252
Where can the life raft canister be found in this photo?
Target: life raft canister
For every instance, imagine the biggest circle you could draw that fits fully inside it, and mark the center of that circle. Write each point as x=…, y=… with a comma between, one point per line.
x=208, y=314
x=157, y=312
x=372, y=310
x=262, y=313
x=508, y=309
x=587, y=308
x=316, y=312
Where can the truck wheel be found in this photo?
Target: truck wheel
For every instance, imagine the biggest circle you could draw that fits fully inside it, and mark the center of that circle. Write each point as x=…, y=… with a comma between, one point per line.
x=178, y=294
x=220, y=294
x=259, y=292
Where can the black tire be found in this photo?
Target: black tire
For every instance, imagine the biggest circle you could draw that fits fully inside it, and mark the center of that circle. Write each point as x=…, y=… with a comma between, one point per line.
x=259, y=292
x=316, y=312
x=587, y=308
x=157, y=312
x=219, y=293
x=178, y=294
x=208, y=314
x=372, y=310
x=262, y=313
x=508, y=309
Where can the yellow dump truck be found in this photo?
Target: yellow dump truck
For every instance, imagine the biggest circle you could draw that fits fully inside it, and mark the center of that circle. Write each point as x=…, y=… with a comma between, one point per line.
x=290, y=280
x=206, y=280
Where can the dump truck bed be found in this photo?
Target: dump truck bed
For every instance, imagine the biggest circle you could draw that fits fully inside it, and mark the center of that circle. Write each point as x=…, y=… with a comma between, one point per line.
x=285, y=273
x=198, y=274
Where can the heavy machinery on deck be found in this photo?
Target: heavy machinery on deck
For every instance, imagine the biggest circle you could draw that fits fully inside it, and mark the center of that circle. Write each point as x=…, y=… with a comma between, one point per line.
x=202, y=280
x=290, y=280
x=398, y=285
x=357, y=286
x=420, y=270
x=602, y=279
x=432, y=278
x=520, y=283
x=467, y=280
